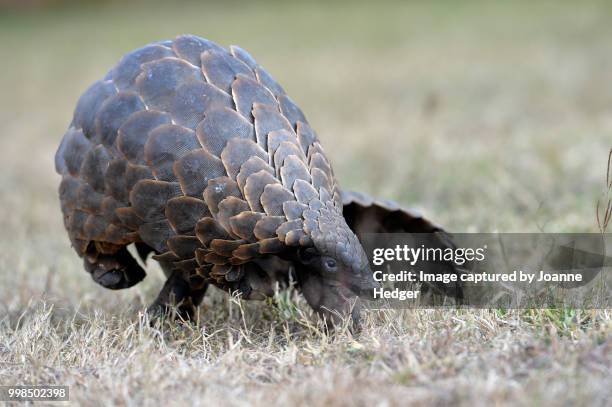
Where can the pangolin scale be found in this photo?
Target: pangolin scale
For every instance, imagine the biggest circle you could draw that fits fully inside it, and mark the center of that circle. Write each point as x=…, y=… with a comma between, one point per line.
x=195, y=153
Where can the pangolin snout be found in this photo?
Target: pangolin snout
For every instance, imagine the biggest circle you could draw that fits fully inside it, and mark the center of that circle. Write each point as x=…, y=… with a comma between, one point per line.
x=362, y=283
x=366, y=291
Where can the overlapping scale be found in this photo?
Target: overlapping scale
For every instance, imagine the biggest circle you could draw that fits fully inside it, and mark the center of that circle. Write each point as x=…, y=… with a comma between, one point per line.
x=197, y=153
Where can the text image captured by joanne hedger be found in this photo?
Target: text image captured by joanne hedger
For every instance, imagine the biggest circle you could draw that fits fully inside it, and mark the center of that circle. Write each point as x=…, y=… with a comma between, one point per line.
x=491, y=270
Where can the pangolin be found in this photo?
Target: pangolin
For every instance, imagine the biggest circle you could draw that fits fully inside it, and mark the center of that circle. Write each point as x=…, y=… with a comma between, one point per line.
x=194, y=153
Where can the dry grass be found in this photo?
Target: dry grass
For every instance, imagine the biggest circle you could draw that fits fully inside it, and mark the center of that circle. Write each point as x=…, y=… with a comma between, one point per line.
x=489, y=116
x=261, y=355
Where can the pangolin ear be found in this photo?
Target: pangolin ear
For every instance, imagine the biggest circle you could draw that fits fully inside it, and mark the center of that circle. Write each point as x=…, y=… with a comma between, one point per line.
x=365, y=214
x=307, y=255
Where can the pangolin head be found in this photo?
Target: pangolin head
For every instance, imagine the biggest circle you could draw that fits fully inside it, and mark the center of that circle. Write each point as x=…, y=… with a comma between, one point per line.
x=336, y=254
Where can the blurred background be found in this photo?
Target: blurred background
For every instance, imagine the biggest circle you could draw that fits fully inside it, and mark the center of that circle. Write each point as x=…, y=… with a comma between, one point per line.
x=488, y=116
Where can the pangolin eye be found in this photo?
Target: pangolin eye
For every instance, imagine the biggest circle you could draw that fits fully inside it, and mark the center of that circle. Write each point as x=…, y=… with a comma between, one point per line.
x=330, y=264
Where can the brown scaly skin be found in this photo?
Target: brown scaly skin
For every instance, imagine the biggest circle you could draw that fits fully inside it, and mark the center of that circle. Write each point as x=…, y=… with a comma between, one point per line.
x=195, y=154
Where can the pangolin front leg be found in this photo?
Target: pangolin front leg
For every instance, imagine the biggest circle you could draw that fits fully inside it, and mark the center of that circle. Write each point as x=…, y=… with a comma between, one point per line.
x=112, y=266
x=179, y=291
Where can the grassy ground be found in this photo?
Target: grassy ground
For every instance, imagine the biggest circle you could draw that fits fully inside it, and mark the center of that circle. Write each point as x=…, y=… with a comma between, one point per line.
x=489, y=117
